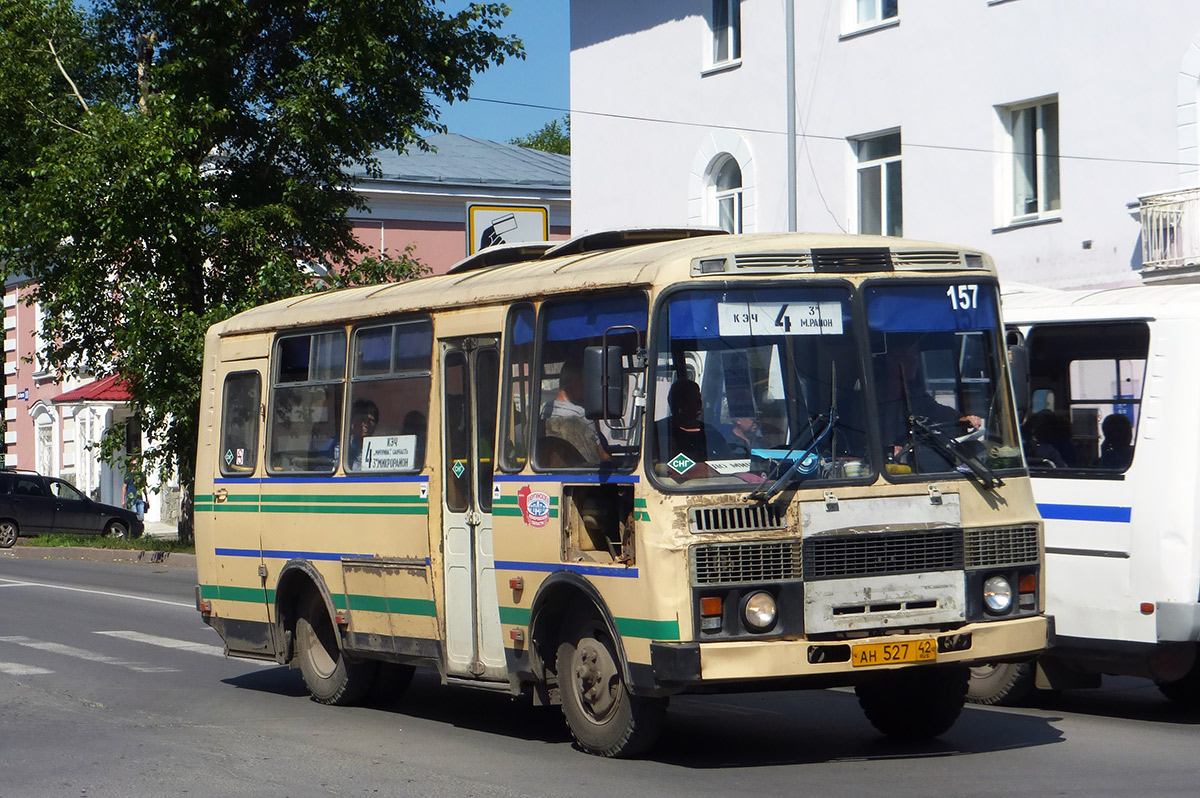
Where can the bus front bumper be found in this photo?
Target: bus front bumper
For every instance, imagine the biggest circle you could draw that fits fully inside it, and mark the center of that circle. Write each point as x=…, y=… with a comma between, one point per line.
x=697, y=663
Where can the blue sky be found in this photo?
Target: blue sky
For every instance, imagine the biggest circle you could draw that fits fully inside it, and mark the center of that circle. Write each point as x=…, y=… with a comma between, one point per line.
x=541, y=79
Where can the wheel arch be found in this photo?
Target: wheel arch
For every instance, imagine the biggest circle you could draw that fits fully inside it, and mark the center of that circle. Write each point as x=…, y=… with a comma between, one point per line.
x=297, y=577
x=557, y=596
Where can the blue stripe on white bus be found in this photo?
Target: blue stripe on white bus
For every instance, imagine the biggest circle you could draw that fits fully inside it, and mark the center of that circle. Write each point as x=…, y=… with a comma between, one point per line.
x=1085, y=512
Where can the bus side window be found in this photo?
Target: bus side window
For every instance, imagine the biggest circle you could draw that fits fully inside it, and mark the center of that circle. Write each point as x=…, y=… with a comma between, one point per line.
x=389, y=397
x=239, y=423
x=565, y=438
x=518, y=406
x=306, y=402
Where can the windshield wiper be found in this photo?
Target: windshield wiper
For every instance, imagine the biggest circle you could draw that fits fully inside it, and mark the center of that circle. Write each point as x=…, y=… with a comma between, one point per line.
x=803, y=461
x=954, y=450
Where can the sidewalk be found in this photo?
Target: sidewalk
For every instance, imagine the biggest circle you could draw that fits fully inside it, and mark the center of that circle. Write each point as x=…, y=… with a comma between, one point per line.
x=161, y=530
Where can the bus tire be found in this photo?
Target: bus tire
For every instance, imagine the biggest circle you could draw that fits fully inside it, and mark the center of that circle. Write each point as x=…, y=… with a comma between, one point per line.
x=330, y=675
x=1186, y=691
x=1003, y=684
x=917, y=703
x=604, y=717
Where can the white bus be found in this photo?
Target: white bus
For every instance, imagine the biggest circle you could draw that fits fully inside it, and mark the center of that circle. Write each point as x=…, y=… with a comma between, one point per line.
x=1111, y=435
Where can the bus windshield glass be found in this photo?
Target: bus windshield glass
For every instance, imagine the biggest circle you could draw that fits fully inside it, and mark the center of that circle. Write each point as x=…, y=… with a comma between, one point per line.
x=942, y=401
x=749, y=382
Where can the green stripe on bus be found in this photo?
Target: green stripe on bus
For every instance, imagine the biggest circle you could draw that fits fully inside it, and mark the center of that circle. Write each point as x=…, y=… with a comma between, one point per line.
x=515, y=616
x=345, y=509
x=515, y=512
x=641, y=515
x=254, y=595
x=342, y=498
x=628, y=627
x=639, y=503
x=392, y=605
x=515, y=501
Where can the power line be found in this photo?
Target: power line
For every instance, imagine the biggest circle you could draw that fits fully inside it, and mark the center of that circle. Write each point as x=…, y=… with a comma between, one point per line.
x=817, y=136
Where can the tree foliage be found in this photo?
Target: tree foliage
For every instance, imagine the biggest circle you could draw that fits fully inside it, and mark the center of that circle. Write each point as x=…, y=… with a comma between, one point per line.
x=165, y=164
x=550, y=137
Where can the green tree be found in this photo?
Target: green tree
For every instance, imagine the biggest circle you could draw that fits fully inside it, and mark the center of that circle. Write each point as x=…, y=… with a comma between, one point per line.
x=551, y=137
x=165, y=164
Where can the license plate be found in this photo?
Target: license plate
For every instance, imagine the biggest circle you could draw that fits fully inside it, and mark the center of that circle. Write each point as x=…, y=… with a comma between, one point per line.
x=892, y=653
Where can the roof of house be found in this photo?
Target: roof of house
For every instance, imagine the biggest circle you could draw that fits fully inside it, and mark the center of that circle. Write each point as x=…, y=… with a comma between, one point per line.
x=108, y=389
x=463, y=160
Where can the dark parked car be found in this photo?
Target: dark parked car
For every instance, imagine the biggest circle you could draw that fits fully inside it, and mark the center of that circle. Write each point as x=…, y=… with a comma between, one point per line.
x=32, y=504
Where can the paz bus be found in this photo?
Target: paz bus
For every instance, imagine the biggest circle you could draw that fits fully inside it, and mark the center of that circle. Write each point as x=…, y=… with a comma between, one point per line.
x=1110, y=432
x=627, y=466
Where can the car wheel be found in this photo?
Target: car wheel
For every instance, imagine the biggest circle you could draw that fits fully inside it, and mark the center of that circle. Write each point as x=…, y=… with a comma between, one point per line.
x=9, y=532
x=118, y=530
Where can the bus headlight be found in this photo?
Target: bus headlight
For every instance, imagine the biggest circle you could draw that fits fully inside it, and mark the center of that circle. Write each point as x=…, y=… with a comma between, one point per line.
x=760, y=611
x=997, y=595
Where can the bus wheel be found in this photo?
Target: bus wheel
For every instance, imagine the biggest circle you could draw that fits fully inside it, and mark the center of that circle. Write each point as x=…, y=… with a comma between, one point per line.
x=604, y=717
x=1185, y=691
x=914, y=703
x=330, y=675
x=1005, y=684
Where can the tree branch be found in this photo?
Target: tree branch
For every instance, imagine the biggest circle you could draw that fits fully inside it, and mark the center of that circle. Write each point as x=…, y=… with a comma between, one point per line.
x=54, y=121
x=63, y=70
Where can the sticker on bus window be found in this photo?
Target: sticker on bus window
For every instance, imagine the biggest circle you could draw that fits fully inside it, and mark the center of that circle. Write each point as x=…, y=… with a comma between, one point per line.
x=780, y=318
x=535, y=506
x=389, y=452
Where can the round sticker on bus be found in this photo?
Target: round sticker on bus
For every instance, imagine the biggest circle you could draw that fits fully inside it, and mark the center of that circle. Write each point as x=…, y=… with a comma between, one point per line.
x=535, y=506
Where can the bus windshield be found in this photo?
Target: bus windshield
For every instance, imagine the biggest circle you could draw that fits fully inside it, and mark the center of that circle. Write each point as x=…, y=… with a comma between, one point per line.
x=761, y=388
x=751, y=381
x=943, y=404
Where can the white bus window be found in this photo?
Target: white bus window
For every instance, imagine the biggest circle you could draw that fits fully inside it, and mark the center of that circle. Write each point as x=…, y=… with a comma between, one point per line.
x=306, y=403
x=239, y=423
x=389, y=397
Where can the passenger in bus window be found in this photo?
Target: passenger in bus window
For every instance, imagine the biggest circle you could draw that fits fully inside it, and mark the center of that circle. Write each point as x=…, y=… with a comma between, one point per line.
x=1117, y=450
x=566, y=428
x=364, y=416
x=687, y=433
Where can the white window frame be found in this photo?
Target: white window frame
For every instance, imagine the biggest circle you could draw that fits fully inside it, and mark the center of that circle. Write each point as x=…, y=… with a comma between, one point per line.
x=854, y=21
x=886, y=212
x=734, y=198
x=730, y=37
x=1042, y=168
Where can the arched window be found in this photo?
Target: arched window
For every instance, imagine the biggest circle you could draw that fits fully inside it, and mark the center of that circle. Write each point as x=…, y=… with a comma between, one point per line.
x=727, y=185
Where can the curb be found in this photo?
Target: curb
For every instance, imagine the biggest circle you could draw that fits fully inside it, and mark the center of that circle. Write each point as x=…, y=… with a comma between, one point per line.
x=160, y=558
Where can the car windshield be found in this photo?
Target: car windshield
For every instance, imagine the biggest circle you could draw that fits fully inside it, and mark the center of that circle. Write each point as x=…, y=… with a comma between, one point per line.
x=935, y=360
x=748, y=383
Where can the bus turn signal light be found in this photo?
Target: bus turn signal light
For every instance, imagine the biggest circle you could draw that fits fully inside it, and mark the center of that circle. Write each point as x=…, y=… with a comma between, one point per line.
x=711, y=605
x=1028, y=584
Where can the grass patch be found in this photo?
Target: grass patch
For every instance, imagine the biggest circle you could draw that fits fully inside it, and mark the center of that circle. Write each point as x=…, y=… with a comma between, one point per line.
x=100, y=542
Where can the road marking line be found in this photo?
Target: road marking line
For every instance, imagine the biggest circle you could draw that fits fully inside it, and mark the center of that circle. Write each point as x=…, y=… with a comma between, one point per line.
x=181, y=645
x=17, y=669
x=12, y=583
x=84, y=654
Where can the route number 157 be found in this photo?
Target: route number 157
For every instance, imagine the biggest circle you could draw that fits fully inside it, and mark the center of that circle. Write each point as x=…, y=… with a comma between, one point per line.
x=963, y=297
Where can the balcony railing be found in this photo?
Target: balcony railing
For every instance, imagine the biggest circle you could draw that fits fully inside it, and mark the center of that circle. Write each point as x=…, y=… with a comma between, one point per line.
x=1170, y=232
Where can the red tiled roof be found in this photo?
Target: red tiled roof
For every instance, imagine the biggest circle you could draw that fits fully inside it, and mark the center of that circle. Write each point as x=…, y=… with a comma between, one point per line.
x=109, y=389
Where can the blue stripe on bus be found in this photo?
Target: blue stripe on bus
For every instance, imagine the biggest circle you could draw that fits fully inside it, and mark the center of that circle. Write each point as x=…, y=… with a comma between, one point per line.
x=551, y=567
x=329, y=480
x=622, y=478
x=272, y=554
x=1085, y=512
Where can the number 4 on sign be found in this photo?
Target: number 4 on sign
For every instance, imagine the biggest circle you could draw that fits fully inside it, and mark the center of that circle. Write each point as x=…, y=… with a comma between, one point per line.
x=963, y=297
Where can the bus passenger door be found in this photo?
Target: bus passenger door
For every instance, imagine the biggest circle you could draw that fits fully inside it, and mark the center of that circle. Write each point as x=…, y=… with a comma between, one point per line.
x=470, y=375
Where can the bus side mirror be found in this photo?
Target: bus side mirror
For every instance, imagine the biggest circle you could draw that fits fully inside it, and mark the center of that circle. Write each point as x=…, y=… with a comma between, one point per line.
x=603, y=396
x=1018, y=367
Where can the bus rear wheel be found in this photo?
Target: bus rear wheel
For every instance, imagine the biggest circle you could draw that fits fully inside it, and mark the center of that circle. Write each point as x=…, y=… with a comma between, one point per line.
x=914, y=703
x=604, y=717
x=330, y=675
x=1186, y=691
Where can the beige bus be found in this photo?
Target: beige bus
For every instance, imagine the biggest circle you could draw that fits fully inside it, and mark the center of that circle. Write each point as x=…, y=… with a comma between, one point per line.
x=628, y=466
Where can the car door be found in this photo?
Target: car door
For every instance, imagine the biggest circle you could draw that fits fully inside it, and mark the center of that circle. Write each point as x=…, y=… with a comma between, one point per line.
x=73, y=513
x=33, y=506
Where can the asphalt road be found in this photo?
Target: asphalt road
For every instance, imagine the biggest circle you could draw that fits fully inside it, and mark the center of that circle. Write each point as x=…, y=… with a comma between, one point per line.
x=110, y=685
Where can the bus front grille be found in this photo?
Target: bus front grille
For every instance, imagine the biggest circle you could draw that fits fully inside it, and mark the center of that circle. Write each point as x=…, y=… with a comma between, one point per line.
x=737, y=563
x=736, y=518
x=1010, y=545
x=882, y=553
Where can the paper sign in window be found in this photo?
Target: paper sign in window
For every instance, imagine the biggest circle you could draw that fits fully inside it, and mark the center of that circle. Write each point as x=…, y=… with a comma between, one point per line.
x=779, y=318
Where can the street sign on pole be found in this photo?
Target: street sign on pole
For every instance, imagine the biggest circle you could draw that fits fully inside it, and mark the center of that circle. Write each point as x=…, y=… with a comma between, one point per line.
x=493, y=225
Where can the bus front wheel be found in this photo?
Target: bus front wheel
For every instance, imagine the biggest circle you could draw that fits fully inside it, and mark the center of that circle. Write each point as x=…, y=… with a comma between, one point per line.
x=916, y=703
x=1004, y=684
x=604, y=717
x=331, y=676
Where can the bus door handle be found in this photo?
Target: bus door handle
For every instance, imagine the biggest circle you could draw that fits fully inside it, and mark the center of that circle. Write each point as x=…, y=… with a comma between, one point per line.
x=220, y=495
x=474, y=518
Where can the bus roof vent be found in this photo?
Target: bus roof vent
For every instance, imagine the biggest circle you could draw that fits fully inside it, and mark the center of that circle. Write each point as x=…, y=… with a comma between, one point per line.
x=501, y=256
x=619, y=239
x=936, y=259
x=852, y=259
x=774, y=261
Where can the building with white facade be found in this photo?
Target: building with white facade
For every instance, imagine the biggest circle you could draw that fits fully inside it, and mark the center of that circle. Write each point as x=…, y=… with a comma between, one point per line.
x=1060, y=136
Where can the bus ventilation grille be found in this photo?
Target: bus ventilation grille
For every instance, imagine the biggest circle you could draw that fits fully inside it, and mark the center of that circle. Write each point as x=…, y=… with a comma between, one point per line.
x=774, y=260
x=1010, y=545
x=736, y=518
x=735, y=563
x=930, y=259
x=882, y=554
